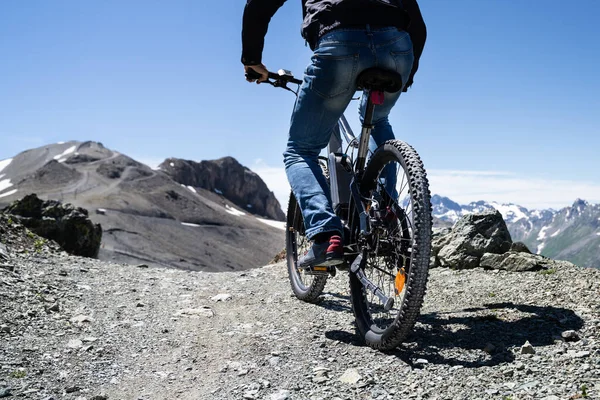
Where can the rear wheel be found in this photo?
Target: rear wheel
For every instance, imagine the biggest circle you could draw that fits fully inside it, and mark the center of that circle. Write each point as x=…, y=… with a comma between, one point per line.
x=398, y=261
x=306, y=287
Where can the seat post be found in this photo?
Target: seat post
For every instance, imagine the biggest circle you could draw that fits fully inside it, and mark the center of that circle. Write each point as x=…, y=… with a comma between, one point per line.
x=374, y=97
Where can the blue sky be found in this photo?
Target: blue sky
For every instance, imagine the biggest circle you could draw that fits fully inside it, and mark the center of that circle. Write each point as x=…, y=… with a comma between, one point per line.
x=505, y=106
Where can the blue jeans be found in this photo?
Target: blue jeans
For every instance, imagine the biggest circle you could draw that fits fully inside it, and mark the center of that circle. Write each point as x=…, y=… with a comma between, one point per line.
x=328, y=87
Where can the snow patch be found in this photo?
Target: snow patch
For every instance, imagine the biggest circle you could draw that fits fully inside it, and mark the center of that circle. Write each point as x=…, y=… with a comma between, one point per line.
x=248, y=205
x=102, y=210
x=61, y=142
x=598, y=233
x=540, y=248
x=172, y=164
x=65, y=153
x=233, y=211
x=219, y=192
x=276, y=224
x=8, y=193
x=190, y=224
x=542, y=234
x=510, y=212
x=62, y=160
x=555, y=233
x=4, y=163
x=192, y=189
x=5, y=184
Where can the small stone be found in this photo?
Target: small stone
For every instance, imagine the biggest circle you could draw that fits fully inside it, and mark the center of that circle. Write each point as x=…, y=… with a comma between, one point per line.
x=5, y=392
x=89, y=339
x=100, y=397
x=508, y=372
x=273, y=361
x=320, y=379
x=72, y=389
x=221, y=297
x=351, y=376
x=243, y=372
x=80, y=319
x=281, y=395
x=492, y=391
x=62, y=272
x=551, y=398
x=75, y=344
x=421, y=361
x=570, y=336
x=581, y=354
x=83, y=270
x=142, y=266
x=53, y=308
x=87, y=348
x=4, y=328
x=527, y=348
x=140, y=305
x=196, y=312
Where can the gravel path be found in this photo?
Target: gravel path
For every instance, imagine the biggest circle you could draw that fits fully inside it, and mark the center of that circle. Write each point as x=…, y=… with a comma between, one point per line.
x=76, y=328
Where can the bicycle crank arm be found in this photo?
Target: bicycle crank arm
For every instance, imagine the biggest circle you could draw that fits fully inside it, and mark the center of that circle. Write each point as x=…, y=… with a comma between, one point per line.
x=387, y=302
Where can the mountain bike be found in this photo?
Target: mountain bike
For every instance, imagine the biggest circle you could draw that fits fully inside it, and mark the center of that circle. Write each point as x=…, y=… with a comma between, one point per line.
x=385, y=208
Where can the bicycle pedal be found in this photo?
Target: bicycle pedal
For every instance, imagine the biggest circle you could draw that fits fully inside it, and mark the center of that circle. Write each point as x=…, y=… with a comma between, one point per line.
x=321, y=270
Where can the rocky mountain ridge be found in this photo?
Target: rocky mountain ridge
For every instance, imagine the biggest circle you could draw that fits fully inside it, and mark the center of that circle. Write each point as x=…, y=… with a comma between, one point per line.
x=571, y=233
x=76, y=328
x=147, y=216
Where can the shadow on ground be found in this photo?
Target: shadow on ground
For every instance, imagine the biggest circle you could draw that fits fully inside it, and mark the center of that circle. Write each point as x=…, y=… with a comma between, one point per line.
x=458, y=338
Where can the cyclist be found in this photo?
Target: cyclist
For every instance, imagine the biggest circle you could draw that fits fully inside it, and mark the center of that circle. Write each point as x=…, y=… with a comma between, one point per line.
x=347, y=37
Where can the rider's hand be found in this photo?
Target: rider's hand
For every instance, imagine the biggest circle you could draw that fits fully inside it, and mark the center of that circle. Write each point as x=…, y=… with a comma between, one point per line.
x=261, y=69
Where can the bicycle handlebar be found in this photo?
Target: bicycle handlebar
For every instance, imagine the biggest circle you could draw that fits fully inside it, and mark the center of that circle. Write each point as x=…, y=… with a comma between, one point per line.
x=279, y=79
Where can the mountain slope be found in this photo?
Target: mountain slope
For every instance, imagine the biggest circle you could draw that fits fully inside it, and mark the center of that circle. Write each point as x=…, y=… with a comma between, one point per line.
x=571, y=233
x=146, y=216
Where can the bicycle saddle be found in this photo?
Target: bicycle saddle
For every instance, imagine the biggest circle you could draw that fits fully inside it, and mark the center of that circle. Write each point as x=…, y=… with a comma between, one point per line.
x=379, y=79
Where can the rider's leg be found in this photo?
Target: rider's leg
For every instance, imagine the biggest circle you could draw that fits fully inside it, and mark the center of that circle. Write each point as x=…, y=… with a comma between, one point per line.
x=327, y=89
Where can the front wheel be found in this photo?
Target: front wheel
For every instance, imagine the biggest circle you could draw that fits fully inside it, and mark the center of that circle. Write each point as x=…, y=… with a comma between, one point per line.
x=397, y=260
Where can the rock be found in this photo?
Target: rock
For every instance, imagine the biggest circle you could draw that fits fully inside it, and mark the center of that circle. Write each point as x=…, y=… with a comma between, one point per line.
x=516, y=262
x=99, y=397
x=221, y=297
x=53, y=308
x=140, y=305
x=72, y=389
x=89, y=339
x=421, y=361
x=196, y=312
x=581, y=354
x=519, y=247
x=4, y=329
x=3, y=253
x=5, y=392
x=62, y=272
x=74, y=344
x=226, y=176
x=527, y=348
x=570, y=336
x=81, y=319
x=67, y=225
x=470, y=238
x=281, y=395
x=142, y=266
x=351, y=376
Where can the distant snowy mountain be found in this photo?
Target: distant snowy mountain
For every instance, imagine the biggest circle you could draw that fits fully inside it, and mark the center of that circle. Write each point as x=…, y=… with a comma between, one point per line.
x=571, y=233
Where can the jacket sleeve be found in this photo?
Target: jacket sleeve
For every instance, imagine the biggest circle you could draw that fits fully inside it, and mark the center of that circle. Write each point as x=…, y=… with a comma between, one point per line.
x=257, y=15
x=418, y=34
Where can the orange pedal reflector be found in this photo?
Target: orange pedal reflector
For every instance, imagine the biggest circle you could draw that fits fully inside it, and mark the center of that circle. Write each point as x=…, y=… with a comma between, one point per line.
x=400, y=281
x=317, y=268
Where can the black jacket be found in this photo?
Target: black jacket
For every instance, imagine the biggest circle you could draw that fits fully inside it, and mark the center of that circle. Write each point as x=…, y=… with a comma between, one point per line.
x=321, y=16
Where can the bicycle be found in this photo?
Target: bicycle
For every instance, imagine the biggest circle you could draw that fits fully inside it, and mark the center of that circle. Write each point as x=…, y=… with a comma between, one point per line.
x=387, y=227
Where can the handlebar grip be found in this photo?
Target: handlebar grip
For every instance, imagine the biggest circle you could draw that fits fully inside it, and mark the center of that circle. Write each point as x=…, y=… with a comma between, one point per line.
x=252, y=74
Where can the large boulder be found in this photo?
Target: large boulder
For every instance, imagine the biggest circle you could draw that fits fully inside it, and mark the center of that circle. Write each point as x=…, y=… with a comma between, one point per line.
x=471, y=237
x=67, y=225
